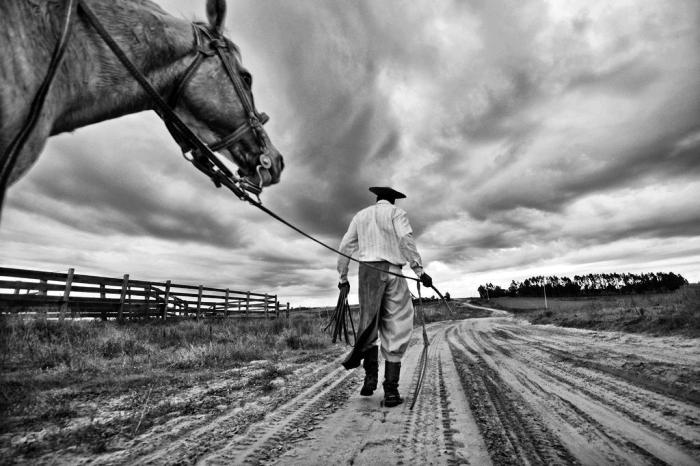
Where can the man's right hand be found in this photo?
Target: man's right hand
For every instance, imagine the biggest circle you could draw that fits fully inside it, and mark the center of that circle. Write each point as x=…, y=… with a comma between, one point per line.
x=426, y=281
x=344, y=286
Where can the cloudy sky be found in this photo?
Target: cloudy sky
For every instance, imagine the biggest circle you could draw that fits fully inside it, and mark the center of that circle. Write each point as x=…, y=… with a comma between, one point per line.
x=531, y=137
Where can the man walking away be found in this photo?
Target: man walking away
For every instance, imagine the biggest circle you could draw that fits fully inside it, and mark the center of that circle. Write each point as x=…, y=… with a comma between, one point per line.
x=382, y=236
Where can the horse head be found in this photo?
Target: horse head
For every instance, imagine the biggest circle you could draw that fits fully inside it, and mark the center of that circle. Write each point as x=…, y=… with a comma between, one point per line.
x=214, y=98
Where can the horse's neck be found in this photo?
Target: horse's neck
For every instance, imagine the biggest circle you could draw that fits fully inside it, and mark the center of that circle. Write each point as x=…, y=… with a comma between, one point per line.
x=101, y=87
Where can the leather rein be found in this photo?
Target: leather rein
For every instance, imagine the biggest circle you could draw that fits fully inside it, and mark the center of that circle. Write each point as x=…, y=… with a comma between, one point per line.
x=202, y=155
x=206, y=44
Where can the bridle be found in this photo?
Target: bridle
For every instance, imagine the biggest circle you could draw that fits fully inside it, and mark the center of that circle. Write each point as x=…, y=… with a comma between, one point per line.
x=199, y=153
x=207, y=44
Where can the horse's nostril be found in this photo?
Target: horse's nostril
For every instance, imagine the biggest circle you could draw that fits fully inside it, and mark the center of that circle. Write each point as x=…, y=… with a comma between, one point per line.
x=281, y=163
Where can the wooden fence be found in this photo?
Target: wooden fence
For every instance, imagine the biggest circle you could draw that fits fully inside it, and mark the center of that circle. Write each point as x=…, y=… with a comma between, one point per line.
x=72, y=295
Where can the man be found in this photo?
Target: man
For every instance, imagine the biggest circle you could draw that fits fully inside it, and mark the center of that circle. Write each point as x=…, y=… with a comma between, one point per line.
x=383, y=238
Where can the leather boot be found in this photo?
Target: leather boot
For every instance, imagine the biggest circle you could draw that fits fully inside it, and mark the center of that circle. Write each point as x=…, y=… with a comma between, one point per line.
x=392, y=371
x=371, y=365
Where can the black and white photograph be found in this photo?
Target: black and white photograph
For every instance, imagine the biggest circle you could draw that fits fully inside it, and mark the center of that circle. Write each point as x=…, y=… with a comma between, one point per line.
x=369, y=232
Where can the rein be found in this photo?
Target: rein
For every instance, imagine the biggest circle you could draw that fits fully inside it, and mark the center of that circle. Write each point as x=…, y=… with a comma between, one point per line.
x=202, y=154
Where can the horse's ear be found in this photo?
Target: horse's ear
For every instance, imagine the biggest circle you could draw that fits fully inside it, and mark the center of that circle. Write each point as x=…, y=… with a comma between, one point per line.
x=216, y=13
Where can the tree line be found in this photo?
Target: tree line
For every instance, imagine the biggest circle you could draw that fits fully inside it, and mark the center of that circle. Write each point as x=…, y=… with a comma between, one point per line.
x=588, y=285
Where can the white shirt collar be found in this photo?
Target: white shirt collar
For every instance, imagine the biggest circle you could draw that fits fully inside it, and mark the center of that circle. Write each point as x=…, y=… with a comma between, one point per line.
x=383, y=201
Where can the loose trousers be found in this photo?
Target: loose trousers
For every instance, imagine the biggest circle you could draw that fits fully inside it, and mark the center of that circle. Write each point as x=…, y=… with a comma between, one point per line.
x=386, y=311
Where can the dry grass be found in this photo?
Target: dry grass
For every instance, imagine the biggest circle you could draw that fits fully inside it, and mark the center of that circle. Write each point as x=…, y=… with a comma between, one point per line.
x=669, y=313
x=93, y=345
x=54, y=373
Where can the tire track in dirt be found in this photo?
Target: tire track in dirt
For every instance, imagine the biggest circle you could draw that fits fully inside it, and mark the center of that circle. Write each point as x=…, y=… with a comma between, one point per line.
x=437, y=431
x=290, y=422
x=638, y=404
x=583, y=410
x=586, y=438
x=424, y=425
x=635, y=404
x=514, y=434
x=440, y=428
x=184, y=441
x=563, y=350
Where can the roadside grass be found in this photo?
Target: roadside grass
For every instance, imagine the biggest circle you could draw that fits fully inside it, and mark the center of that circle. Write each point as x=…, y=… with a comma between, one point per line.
x=65, y=378
x=657, y=314
x=94, y=345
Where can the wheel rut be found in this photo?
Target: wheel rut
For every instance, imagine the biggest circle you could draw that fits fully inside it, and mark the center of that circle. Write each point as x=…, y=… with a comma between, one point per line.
x=514, y=433
x=280, y=429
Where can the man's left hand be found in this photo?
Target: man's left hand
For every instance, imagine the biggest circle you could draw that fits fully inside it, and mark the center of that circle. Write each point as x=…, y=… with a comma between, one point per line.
x=426, y=281
x=344, y=285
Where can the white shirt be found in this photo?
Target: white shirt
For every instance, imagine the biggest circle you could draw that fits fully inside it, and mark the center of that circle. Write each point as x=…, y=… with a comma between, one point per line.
x=380, y=232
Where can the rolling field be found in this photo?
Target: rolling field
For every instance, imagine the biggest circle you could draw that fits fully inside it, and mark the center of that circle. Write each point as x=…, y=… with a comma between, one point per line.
x=659, y=314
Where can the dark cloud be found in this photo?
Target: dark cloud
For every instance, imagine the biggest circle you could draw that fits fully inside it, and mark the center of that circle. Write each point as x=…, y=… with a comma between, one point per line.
x=130, y=197
x=514, y=128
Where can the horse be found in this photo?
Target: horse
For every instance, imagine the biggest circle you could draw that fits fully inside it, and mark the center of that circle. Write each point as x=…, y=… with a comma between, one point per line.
x=91, y=85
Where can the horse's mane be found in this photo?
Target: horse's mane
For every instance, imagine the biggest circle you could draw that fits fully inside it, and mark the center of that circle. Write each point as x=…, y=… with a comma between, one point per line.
x=43, y=19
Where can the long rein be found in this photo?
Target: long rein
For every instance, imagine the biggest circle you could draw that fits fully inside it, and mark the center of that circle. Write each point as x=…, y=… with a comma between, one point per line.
x=205, y=160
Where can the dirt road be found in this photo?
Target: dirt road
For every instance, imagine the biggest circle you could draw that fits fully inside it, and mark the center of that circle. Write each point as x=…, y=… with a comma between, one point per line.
x=496, y=391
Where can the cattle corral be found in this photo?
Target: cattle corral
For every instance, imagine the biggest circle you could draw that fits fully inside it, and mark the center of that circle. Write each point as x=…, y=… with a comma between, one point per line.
x=61, y=295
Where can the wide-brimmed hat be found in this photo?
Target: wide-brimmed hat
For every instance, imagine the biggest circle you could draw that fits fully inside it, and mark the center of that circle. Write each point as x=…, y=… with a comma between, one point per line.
x=386, y=192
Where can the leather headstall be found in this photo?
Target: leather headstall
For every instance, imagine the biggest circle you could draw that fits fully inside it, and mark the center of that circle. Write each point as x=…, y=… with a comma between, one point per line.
x=201, y=154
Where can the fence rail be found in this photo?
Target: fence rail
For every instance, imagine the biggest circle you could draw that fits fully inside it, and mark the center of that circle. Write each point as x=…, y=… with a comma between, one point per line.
x=76, y=295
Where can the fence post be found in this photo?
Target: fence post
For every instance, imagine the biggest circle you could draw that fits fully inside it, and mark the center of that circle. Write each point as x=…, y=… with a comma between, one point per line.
x=167, y=297
x=277, y=308
x=125, y=285
x=247, y=302
x=199, y=301
x=43, y=285
x=66, y=294
x=147, y=305
x=103, y=295
x=266, y=305
x=226, y=303
x=287, y=310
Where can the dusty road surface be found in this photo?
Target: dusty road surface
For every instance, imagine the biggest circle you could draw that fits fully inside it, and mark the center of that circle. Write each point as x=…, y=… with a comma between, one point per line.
x=497, y=391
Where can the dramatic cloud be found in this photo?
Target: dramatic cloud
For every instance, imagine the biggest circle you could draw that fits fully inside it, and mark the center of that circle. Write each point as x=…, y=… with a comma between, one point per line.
x=531, y=137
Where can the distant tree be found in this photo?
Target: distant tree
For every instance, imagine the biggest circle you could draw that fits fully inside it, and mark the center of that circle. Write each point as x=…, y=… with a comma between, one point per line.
x=588, y=285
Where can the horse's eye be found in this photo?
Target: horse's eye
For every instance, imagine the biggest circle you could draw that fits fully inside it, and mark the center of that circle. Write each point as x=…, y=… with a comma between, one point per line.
x=247, y=78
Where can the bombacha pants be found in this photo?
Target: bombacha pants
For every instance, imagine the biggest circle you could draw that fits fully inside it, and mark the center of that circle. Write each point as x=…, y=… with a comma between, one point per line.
x=386, y=311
